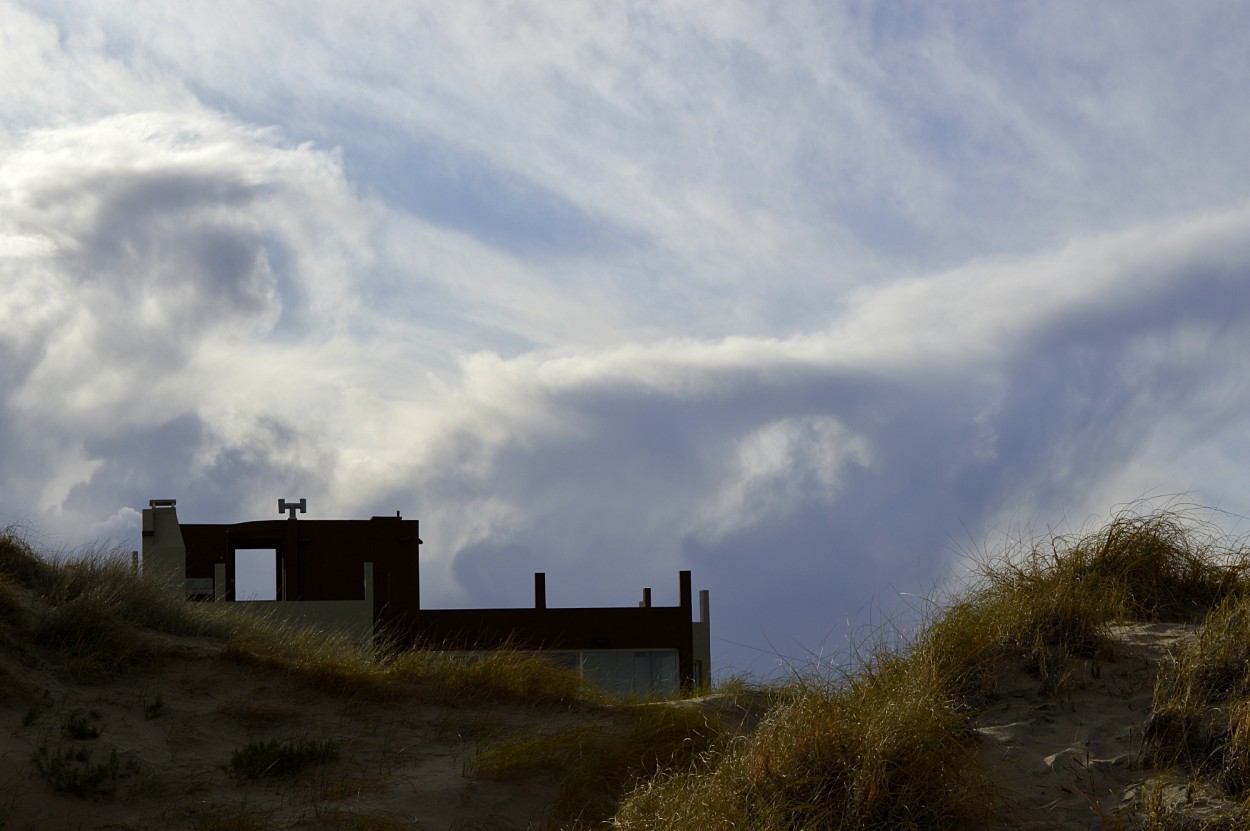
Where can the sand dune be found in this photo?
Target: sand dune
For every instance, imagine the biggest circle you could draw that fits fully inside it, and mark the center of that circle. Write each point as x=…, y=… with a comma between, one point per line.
x=1068, y=754
x=175, y=729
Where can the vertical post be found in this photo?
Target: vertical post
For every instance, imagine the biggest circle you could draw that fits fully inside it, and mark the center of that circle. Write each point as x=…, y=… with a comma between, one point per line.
x=288, y=564
x=646, y=598
x=540, y=590
x=686, y=676
x=702, y=642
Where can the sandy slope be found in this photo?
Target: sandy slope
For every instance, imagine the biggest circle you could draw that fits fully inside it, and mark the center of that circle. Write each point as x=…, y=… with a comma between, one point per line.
x=1065, y=753
x=174, y=731
x=1068, y=756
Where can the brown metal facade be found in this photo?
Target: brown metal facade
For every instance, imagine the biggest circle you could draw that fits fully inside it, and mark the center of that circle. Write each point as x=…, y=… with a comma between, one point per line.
x=323, y=559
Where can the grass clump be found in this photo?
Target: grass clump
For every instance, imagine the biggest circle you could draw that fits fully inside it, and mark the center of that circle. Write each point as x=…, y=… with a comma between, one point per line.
x=889, y=744
x=1055, y=601
x=383, y=673
x=102, y=619
x=1201, y=716
x=598, y=761
x=257, y=760
x=503, y=675
x=93, y=612
x=881, y=749
x=68, y=768
x=81, y=726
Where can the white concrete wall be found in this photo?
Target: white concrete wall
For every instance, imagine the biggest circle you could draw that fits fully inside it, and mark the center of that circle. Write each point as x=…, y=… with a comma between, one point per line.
x=164, y=554
x=351, y=617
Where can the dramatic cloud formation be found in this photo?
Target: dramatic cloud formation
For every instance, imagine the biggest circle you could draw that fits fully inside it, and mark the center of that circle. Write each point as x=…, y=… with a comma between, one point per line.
x=806, y=299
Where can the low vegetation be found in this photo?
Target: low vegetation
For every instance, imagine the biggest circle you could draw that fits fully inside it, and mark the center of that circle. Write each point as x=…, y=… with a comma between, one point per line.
x=886, y=743
x=599, y=759
x=257, y=760
x=1201, y=717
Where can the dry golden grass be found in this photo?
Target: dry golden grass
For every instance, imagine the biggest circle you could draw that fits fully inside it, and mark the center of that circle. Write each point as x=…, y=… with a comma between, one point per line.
x=1201, y=715
x=881, y=749
x=101, y=619
x=889, y=745
x=598, y=760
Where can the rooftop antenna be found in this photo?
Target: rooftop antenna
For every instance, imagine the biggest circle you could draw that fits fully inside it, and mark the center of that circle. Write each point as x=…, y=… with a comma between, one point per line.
x=292, y=507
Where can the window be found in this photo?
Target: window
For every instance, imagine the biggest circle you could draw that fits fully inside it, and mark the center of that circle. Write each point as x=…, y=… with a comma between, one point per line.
x=256, y=574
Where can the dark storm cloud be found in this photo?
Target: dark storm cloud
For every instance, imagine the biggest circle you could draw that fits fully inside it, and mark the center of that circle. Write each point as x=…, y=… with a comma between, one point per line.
x=215, y=479
x=811, y=495
x=148, y=231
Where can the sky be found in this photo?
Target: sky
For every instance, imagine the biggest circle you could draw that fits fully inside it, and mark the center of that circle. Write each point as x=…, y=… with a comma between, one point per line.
x=816, y=300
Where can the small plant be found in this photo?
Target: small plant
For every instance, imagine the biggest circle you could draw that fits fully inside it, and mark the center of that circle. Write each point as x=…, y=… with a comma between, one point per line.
x=153, y=709
x=78, y=726
x=36, y=709
x=239, y=817
x=68, y=769
x=275, y=758
x=256, y=712
x=597, y=762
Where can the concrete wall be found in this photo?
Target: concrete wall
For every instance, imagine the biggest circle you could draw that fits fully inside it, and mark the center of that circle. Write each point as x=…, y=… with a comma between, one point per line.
x=164, y=554
x=702, y=642
x=353, y=618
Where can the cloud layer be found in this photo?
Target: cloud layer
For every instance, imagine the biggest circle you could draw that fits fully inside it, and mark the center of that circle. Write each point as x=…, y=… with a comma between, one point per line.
x=803, y=301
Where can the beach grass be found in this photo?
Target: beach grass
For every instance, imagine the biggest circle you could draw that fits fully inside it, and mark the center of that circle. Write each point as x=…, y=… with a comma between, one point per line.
x=884, y=741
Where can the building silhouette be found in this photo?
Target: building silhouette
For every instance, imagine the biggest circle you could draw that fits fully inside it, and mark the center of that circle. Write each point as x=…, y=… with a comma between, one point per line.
x=363, y=577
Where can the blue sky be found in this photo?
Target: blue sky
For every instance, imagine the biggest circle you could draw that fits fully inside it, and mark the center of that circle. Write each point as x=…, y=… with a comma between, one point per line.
x=812, y=299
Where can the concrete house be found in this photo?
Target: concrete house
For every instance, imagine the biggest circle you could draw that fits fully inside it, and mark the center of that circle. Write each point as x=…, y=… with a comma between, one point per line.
x=363, y=577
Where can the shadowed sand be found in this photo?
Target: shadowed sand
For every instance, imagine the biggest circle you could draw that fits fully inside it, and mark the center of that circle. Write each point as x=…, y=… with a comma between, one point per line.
x=1067, y=755
x=174, y=730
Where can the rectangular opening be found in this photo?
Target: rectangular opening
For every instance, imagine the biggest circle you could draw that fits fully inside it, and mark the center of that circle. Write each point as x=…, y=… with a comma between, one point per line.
x=256, y=574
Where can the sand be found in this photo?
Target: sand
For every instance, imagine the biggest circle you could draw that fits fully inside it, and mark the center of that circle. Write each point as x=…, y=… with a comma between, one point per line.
x=174, y=731
x=1068, y=755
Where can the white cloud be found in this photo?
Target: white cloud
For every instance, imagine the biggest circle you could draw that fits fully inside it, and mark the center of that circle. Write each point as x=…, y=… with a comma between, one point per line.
x=785, y=294
x=779, y=467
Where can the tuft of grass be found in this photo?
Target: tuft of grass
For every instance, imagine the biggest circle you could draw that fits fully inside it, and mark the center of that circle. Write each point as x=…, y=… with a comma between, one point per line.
x=382, y=673
x=1170, y=803
x=20, y=563
x=1056, y=600
x=499, y=676
x=257, y=760
x=80, y=726
x=889, y=745
x=68, y=768
x=153, y=709
x=236, y=817
x=100, y=617
x=596, y=762
x=1201, y=714
x=256, y=712
x=355, y=820
x=94, y=643
x=881, y=749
